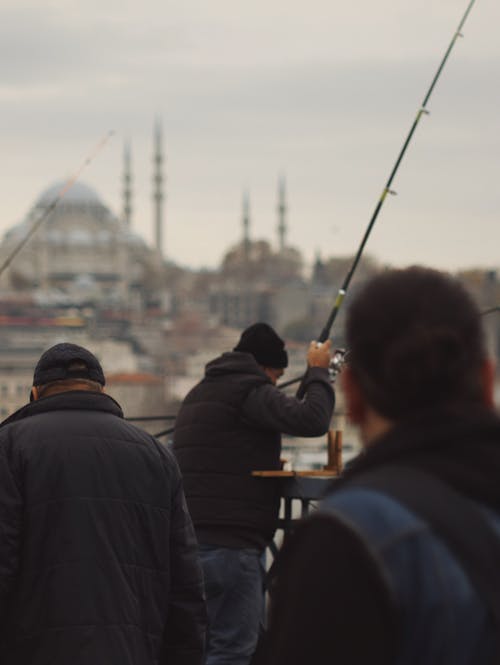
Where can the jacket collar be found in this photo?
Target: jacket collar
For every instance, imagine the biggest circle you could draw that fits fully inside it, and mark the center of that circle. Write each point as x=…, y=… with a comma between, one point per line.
x=461, y=447
x=75, y=400
x=235, y=362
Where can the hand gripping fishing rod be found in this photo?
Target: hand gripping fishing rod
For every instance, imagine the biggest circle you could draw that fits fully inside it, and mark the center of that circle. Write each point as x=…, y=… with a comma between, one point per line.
x=48, y=211
x=325, y=333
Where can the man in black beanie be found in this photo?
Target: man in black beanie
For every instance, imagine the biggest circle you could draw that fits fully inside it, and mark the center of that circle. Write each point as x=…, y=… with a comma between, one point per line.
x=229, y=425
x=98, y=557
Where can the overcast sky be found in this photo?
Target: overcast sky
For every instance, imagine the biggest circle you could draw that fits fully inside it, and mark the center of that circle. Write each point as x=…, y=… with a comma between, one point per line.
x=321, y=91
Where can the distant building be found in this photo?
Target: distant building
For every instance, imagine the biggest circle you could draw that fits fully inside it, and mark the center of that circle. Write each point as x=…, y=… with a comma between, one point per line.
x=84, y=276
x=22, y=346
x=15, y=389
x=484, y=286
x=140, y=394
x=82, y=253
x=257, y=282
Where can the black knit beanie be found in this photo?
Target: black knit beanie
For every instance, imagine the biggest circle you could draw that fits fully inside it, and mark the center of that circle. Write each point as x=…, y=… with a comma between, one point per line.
x=264, y=344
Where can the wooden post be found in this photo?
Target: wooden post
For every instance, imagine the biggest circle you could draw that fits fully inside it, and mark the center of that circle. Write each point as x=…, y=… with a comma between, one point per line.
x=338, y=450
x=334, y=451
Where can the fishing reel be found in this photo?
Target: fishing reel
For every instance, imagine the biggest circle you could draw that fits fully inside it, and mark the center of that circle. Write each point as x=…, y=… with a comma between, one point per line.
x=338, y=360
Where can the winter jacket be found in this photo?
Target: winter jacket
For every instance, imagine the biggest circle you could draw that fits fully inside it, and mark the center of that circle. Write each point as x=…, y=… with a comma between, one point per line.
x=229, y=425
x=368, y=580
x=98, y=557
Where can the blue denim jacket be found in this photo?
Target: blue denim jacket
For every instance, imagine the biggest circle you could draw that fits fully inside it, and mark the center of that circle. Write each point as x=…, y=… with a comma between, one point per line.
x=443, y=620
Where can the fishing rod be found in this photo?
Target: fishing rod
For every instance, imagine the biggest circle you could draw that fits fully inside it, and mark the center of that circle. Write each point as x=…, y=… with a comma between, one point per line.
x=165, y=432
x=491, y=310
x=62, y=193
x=138, y=419
x=325, y=333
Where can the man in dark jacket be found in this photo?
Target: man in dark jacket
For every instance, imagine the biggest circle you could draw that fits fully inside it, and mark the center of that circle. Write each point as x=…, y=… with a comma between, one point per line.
x=98, y=560
x=400, y=566
x=229, y=425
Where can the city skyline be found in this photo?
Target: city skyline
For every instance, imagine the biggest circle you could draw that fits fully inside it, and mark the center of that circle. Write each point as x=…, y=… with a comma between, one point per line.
x=321, y=95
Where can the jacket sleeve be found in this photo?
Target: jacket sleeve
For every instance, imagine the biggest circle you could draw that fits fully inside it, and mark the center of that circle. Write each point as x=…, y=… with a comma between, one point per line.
x=329, y=601
x=267, y=407
x=184, y=642
x=11, y=510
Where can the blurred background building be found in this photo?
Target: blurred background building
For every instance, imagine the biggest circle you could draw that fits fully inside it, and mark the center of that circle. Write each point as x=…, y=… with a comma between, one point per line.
x=85, y=276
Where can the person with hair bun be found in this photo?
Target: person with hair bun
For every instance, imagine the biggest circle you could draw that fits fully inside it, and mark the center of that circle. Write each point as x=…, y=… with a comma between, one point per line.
x=400, y=565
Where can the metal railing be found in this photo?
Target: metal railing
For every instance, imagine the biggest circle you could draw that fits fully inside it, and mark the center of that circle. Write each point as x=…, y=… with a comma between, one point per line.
x=139, y=419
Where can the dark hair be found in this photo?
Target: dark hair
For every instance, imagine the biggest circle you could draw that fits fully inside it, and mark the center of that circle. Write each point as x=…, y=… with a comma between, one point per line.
x=415, y=341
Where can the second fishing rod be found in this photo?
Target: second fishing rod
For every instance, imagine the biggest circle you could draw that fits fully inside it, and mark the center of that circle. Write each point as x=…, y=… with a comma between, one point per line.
x=325, y=332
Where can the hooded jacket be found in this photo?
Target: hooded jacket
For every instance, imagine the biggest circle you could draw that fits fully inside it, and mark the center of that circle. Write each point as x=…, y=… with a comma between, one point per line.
x=366, y=579
x=97, y=552
x=229, y=425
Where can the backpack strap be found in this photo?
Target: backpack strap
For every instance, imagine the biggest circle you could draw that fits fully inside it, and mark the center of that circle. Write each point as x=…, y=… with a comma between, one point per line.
x=455, y=519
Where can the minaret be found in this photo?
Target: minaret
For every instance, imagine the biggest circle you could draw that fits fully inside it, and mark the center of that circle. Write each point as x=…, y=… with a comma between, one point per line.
x=246, y=225
x=318, y=275
x=158, y=186
x=281, y=214
x=127, y=186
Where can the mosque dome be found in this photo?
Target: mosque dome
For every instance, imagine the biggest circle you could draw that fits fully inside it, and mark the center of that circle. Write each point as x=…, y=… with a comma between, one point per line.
x=80, y=218
x=80, y=239
x=79, y=193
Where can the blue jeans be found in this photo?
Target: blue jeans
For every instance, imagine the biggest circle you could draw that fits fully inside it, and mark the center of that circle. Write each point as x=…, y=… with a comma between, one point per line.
x=234, y=586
